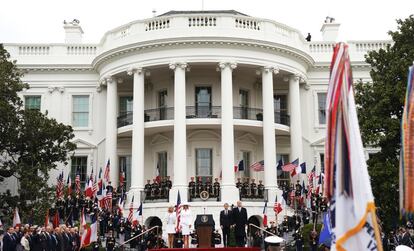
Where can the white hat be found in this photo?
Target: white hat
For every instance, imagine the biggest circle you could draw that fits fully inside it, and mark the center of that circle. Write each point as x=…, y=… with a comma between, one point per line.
x=273, y=240
x=403, y=248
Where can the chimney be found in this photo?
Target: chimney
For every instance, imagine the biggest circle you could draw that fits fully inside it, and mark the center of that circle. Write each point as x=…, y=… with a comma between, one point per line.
x=330, y=29
x=73, y=32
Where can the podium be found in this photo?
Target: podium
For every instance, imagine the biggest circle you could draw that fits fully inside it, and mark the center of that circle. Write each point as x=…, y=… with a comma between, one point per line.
x=204, y=225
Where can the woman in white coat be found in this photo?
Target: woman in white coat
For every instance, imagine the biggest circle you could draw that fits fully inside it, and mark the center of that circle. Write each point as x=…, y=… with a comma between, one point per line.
x=170, y=219
x=186, y=220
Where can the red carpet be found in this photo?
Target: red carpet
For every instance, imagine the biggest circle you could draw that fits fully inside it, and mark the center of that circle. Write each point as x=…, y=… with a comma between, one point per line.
x=209, y=249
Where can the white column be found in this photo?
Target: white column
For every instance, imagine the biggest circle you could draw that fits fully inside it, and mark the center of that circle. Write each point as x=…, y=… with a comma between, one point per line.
x=138, y=136
x=111, y=129
x=269, y=137
x=229, y=193
x=180, y=134
x=296, y=149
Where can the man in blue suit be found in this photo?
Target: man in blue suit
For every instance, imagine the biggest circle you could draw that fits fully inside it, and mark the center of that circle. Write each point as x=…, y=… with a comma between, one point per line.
x=9, y=240
x=240, y=221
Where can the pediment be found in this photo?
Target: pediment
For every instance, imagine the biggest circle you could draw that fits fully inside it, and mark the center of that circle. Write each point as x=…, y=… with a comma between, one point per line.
x=319, y=142
x=83, y=144
x=159, y=139
x=203, y=135
x=247, y=138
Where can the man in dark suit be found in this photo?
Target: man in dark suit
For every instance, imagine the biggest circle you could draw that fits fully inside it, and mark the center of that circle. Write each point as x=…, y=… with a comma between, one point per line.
x=9, y=241
x=226, y=220
x=240, y=222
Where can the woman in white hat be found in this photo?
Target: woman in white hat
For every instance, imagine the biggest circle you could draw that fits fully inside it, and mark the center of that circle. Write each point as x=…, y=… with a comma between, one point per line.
x=186, y=219
x=170, y=219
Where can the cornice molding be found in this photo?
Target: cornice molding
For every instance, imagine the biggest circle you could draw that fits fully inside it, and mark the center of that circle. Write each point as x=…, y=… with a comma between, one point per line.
x=142, y=46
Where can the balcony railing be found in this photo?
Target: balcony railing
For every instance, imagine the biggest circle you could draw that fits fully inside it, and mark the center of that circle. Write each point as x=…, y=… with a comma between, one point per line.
x=282, y=118
x=248, y=113
x=203, y=112
x=167, y=113
x=125, y=119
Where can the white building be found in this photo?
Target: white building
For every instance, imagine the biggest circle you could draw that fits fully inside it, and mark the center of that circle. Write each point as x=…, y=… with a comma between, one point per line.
x=193, y=92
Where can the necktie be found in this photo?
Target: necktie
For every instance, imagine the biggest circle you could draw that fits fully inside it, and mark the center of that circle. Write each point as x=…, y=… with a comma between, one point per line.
x=226, y=212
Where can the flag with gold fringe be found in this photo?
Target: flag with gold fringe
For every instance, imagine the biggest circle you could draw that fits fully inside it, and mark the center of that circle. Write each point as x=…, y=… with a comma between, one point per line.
x=347, y=184
x=407, y=149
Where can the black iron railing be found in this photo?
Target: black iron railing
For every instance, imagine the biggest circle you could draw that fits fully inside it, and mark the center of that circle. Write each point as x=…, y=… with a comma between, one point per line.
x=125, y=119
x=281, y=117
x=167, y=113
x=248, y=113
x=203, y=112
x=164, y=113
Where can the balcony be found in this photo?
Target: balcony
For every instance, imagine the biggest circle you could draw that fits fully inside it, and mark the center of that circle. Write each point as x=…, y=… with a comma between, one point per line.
x=193, y=112
x=211, y=112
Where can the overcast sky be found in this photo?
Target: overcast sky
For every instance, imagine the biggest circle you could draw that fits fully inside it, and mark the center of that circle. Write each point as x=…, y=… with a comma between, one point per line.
x=40, y=21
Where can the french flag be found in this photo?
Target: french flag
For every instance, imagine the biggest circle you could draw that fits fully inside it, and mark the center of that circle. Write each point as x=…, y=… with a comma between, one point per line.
x=299, y=169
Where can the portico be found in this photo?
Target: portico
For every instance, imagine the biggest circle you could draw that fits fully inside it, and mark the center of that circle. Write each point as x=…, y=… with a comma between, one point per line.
x=219, y=110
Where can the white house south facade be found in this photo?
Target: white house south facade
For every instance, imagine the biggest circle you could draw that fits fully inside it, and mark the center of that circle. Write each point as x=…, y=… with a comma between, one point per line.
x=189, y=94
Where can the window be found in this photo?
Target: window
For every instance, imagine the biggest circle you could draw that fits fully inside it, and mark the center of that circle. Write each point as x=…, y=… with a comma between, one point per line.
x=125, y=167
x=162, y=164
x=79, y=163
x=283, y=178
x=203, y=102
x=125, y=105
x=322, y=159
x=204, y=163
x=321, y=108
x=280, y=106
x=32, y=103
x=244, y=103
x=162, y=104
x=80, y=116
x=246, y=161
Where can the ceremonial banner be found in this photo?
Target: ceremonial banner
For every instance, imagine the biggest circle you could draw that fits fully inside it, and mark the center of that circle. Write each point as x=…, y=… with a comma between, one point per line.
x=347, y=183
x=407, y=149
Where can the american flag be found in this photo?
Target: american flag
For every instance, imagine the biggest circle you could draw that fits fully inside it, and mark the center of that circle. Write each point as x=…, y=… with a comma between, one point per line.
x=277, y=207
x=291, y=166
x=77, y=183
x=107, y=168
x=95, y=187
x=59, y=186
x=131, y=210
x=178, y=212
x=108, y=200
x=258, y=166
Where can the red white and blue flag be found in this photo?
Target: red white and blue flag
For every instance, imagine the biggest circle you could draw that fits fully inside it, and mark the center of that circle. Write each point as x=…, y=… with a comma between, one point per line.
x=347, y=182
x=277, y=207
x=107, y=171
x=257, y=166
x=59, y=186
x=131, y=210
x=77, y=183
x=290, y=166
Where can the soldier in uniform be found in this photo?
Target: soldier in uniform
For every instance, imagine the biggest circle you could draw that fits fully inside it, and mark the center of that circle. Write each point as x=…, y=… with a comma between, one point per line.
x=199, y=186
x=110, y=241
x=260, y=190
x=163, y=185
x=109, y=187
x=155, y=189
x=169, y=185
x=246, y=188
x=135, y=231
x=216, y=188
x=239, y=186
x=147, y=190
x=192, y=188
x=253, y=189
x=209, y=187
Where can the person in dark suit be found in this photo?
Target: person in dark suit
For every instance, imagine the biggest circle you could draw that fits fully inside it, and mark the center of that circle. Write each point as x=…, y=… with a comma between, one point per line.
x=9, y=241
x=240, y=222
x=226, y=220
